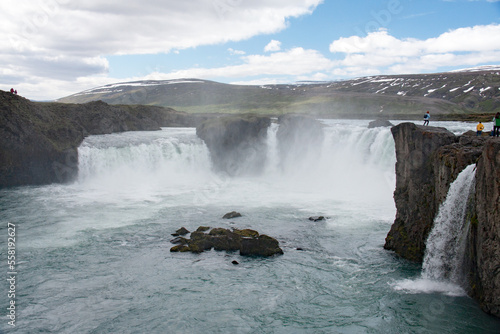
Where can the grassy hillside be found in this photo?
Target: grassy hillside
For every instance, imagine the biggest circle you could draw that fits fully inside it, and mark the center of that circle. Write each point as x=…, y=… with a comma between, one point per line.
x=404, y=96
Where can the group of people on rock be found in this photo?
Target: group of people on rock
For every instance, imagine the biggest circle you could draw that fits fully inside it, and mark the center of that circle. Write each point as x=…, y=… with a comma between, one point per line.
x=13, y=91
x=496, y=127
x=480, y=127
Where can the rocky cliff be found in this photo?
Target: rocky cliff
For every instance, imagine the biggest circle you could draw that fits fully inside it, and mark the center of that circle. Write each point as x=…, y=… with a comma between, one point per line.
x=484, y=238
x=428, y=160
x=39, y=141
x=237, y=144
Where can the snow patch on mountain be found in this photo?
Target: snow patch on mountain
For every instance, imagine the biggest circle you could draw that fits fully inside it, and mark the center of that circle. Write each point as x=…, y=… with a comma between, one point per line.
x=118, y=87
x=479, y=69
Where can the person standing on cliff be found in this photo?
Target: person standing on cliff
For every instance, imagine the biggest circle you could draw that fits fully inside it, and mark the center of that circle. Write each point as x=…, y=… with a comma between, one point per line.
x=427, y=116
x=480, y=128
x=496, y=125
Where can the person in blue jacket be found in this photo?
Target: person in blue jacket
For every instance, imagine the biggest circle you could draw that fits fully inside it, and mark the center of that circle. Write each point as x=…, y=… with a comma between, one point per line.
x=427, y=116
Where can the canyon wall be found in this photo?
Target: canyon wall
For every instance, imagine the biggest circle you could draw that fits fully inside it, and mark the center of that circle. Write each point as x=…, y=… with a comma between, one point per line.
x=428, y=160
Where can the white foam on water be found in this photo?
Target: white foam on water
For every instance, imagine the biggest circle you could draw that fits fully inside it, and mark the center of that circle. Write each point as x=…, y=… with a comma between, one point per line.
x=424, y=285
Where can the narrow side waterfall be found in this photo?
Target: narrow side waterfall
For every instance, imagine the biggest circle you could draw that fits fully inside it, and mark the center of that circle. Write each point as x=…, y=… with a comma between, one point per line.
x=445, y=251
x=272, y=149
x=446, y=242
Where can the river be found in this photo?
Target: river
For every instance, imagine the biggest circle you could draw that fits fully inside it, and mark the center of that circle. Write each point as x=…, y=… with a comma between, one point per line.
x=93, y=256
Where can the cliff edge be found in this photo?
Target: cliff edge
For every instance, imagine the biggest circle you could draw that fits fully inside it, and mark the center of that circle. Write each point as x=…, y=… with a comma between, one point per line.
x=428, y=160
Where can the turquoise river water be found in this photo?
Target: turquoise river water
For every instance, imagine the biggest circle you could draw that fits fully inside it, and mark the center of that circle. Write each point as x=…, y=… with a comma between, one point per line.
x=93, y=256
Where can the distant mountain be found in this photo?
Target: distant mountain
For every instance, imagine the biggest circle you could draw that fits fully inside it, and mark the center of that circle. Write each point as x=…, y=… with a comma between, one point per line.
x=474, y=90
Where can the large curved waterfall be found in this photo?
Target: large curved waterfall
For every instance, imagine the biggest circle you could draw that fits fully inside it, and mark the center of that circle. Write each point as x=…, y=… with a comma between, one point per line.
x=352, y=162
x=94, y=255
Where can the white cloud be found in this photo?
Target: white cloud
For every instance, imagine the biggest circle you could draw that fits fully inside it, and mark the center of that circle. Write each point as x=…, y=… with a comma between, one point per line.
x=294, y=62
x=382, y=52
x=273, y=46
x=69, y=38
x=236, y=52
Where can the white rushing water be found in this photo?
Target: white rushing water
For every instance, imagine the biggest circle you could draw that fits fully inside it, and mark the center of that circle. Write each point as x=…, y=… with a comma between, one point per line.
x=94, y=255
x=446, y=242
x=445, y=246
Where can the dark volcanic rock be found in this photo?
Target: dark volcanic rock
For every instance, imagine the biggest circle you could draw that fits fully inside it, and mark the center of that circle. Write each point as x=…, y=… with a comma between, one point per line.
x=181, y=231
x=316, y=218
x=180, y=248
x=232, y=214
x=237, y=144
x=179, y=240
x=262, y=245
x=428, y=161
x=247, y=241
x=484, y=235
x=416, y=197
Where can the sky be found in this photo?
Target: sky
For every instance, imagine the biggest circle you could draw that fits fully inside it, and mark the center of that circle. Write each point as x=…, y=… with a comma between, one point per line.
x=54, y=48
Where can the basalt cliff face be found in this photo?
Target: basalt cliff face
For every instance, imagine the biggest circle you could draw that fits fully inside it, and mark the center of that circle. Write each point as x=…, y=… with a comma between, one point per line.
x=237, y=144
x=429, y=159
x=39, y=141
x=484, y=238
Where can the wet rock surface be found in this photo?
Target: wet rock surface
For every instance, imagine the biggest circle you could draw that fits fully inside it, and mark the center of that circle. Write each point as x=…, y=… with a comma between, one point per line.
x=232, y=214
x=248, y=242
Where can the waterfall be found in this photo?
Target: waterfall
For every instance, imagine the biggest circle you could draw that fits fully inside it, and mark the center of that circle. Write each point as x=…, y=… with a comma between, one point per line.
x=445, y=251
x=272, y=149
x=158, y=158
x=351, y=163
x=446, y=242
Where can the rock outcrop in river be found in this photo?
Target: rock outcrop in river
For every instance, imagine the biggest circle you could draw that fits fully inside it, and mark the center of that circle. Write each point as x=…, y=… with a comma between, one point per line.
x=429, y=159
x=247, y=242
x=237, y=143
x=39, y=141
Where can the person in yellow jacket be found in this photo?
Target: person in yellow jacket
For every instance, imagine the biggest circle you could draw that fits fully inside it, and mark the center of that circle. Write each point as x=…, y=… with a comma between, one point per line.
x=480, y=128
